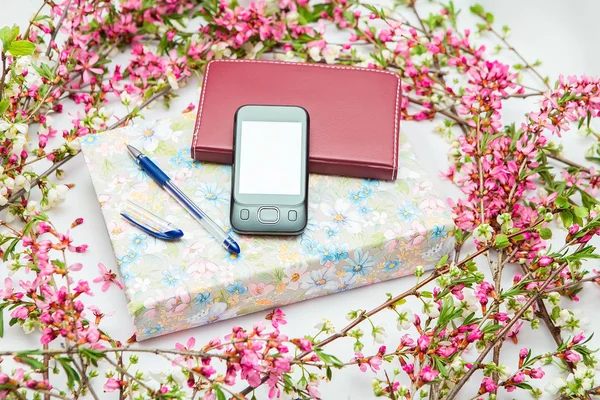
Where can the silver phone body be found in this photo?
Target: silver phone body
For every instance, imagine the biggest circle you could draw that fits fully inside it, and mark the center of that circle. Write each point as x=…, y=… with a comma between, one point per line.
x=269, y=185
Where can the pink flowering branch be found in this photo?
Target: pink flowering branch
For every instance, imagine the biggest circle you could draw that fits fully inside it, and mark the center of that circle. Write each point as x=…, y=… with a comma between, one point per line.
x=498, y=169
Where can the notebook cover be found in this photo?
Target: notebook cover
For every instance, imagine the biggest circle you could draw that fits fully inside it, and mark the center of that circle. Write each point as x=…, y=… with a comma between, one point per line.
x=354, y=112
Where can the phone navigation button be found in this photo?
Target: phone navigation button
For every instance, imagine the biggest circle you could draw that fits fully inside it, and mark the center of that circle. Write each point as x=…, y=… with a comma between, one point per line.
x=268, y=215
x=244, y=214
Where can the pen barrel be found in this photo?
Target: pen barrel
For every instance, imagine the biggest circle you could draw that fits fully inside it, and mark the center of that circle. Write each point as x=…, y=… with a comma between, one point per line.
x=153, y=171
x=199, y=215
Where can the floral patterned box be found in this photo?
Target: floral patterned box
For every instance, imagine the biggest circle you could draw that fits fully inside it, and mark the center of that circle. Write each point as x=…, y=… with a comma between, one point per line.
x=359, y=232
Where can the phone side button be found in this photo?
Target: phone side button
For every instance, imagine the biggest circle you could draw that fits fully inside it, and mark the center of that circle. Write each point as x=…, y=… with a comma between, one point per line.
x=268, y=215
x=292, y=215
x=244, y=214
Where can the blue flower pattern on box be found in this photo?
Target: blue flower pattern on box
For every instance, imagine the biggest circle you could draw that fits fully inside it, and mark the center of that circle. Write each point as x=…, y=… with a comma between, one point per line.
x=194, y=282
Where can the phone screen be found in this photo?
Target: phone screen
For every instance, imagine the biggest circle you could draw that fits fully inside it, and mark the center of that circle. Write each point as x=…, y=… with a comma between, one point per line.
x=270, y=158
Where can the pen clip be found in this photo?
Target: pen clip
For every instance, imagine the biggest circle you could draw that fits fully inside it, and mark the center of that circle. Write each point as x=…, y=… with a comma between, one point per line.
x=150, y=223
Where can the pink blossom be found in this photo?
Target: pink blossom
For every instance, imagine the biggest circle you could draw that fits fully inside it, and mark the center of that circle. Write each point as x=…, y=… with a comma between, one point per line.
x=409, y=368
x=544, y=261
x=523, y=352
x=423, y=342
x=474, y=335
x=83, y=287
x=20, y=312
x=572, y=356
x=111, y=385
x=537, y=373
x=375, y=363
x=428, y=374
x=303, y=344
x=407, y=341
x=277, y=318
x=514, y=331
x=313, y=389
x=107, y=277
x=578, y=338
x=519, y=377
x=87, y=66
x=488, y=385
x=188, y=347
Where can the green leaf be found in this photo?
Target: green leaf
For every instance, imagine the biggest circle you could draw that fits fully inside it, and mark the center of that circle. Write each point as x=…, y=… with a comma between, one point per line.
x=545, y=233
x=439, y=365
x=219, y=392
x=72, y=375
x=587, y=200
x=3, y=106
x=501, y=241
x=328, y=372
x=92, y=355
x=2, y=319
x=8, y=35
x=10, y=248
x=567, y=218
x=21, y=48
x=442, y=261
x=32, y=362
x=561, y=202
x=477, y=9
x=581, y=212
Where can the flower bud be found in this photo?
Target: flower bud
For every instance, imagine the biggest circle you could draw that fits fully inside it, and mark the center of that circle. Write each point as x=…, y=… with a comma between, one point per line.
x=419, y=270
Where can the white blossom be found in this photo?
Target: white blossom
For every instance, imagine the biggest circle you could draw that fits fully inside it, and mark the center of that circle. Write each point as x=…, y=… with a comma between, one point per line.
x=315, y=53
x=331, y=53
x=221, y=50
x=125, y=98
x=483, y=233
x=431, y=309
x=405, y=319
x=172, y=80
x=379, y=334
x=556, y=385
x=22, y=181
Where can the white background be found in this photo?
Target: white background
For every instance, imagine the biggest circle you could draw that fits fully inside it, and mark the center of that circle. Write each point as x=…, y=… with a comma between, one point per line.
x=561, y=33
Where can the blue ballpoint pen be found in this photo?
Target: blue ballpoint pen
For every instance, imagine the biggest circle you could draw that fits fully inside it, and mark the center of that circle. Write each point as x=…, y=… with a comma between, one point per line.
x=164, y=182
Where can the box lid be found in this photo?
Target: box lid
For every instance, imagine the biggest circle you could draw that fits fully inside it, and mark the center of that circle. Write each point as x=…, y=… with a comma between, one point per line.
x=354, y=112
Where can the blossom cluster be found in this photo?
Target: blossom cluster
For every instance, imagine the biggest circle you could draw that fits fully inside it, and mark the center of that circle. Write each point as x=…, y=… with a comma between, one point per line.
x=513, y=198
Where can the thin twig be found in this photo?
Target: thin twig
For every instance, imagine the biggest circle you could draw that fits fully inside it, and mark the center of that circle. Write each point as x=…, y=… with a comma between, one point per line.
x=57, y=28
x=128, y=117
x=573, y=284
x=455, y=117
x=511, y=48
x=4, y=70
x=45, y=372
x=38, y=179
x=123, y=371
x=567, y=162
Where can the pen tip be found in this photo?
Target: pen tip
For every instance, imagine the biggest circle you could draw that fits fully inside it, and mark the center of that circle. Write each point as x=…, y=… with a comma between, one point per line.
x=232, y=246
x=135, y=153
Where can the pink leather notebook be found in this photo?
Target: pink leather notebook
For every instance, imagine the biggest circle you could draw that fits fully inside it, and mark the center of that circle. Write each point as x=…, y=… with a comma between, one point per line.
x=354, y=112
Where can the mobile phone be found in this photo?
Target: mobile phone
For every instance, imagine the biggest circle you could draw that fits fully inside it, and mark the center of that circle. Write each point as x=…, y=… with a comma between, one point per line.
x=270, y=170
